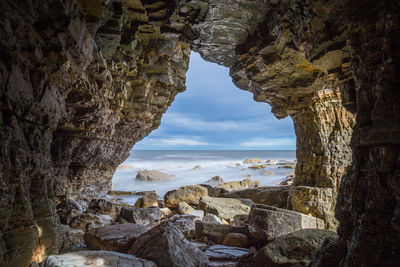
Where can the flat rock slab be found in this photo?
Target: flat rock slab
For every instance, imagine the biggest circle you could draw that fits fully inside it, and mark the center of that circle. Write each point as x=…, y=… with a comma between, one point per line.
x=238, y=185
x=268, y=223
x=167, y=246
x=294, y=249
x=226, y=208
x=226, y=253
x=117, y=237
x=276, y=196
x=95, y=259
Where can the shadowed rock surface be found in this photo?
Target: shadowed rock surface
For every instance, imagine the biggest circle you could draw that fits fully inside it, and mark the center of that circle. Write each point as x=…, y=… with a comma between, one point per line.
x=166, y=246
x=117, y=237
x=268, y=223
x=294, y=249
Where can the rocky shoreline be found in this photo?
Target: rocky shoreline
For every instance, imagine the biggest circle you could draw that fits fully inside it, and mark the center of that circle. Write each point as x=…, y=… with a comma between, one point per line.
x=235, y=223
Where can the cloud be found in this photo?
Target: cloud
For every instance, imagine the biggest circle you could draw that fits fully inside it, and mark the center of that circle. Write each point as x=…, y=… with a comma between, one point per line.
x=195, y=124
x=259, y=142
x=174, y=141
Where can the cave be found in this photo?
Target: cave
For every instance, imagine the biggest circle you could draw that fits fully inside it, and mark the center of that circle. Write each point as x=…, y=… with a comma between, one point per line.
x=82, y=81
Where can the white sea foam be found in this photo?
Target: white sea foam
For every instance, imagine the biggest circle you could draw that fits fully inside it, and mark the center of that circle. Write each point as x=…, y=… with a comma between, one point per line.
x=180, y=165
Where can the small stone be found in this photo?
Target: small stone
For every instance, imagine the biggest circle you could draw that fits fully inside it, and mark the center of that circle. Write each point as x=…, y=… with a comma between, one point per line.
x=258, y=166
x=268, y=173
x=288, y=165
x=216, y=180
x=197, y=167
x=253, y=161
x=238, y=185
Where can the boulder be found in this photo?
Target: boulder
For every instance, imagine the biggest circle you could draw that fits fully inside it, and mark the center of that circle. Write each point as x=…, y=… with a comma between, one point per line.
x=226, y=208
x=95, y=259
x=211, y=218
x=294, y=249
x=271, y=161
x=89, y=221
x=315, y=201
x=267, y=223
x=258, y=166
x=184, y=208
x=141, y=215
x=269, y=195
x=217, y=232
x=152, y=176
x=253, y=161
x=191, y=194
x=166, y=246
x=104, y=206
x=238, y=185
x=235, y=240
x=216, y=180
x=118, y=237
x=67, y=209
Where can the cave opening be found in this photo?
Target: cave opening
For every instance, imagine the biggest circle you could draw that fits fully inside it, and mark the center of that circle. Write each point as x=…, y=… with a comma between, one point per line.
x=208, y=131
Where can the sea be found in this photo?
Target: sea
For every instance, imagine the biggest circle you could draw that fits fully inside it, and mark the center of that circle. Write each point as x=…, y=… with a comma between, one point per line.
x=180, y=164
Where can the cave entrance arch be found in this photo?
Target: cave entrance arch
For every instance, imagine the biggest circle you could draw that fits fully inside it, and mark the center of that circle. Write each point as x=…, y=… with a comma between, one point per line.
x=218, y=126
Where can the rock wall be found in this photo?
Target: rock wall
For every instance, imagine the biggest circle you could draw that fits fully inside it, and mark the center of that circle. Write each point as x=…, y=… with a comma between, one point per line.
x=81, y=82
x=368, y=203
x=279, y=64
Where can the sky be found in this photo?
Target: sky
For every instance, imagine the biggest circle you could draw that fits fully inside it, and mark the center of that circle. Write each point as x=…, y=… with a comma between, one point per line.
x=213, y=114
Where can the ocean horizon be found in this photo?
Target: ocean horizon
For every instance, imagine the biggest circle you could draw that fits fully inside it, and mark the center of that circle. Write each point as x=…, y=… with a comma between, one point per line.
x=180, y=165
